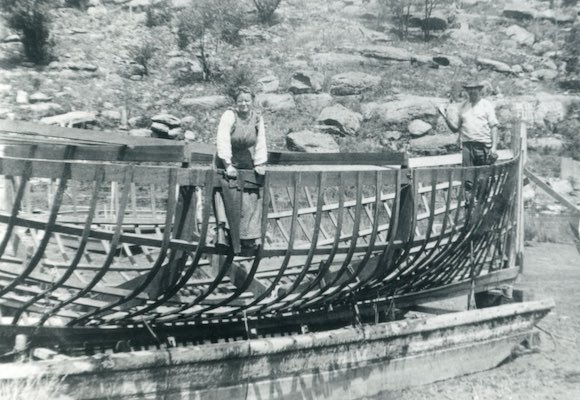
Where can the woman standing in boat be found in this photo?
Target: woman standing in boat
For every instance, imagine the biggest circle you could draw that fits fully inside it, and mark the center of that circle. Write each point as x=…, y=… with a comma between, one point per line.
x=241, y=146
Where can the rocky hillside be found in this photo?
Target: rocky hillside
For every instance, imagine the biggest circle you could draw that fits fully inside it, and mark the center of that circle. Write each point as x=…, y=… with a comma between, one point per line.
x=332, y=75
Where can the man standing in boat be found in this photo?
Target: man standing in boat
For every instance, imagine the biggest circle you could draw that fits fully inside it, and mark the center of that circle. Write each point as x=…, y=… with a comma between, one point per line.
x=476, y=123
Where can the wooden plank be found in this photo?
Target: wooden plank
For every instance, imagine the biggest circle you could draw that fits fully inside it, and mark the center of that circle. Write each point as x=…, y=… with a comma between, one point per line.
x=450, y=159
x=548, y=189
x=298, y=158
x=32, y=130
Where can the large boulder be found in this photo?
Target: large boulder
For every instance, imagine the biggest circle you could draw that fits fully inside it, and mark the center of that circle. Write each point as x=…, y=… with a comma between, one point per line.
x=520, y=35
x=550, y=143
x=306, y=82
x=80, y=66
x=494, y=65
x=350, y=83
x=185, y=68
x=557, y=17
x=436, y=22
x=545, y=74
x=386, y=53
x=311, y=142
x=160, y=129
x=71, y=119
x=276, y=102
x=448, y=61
x=544, y=110
x=404, y=109
x=268, y=84
x=543, y=47
x=340, y=60
x=339, y=119
x=206, y=102
x=418, y=127
x=39, y=97
x=40, y=110
x=433, y=144
x=21, y=97
x=519, y=11
x=167, y=119
x=313, y=103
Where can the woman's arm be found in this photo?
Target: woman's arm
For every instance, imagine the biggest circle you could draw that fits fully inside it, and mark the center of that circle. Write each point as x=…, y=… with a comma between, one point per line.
x=261, y=149
x=223, y=140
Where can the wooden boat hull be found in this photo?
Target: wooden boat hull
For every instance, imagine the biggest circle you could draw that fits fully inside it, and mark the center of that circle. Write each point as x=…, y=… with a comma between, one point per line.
x=347, y=363
x=360, y=231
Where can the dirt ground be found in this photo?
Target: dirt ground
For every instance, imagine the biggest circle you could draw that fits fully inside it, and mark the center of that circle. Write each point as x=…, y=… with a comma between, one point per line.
x=551, y=270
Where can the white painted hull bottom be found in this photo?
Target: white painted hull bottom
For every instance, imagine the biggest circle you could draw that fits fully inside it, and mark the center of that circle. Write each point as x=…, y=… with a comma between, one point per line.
x=347, y=363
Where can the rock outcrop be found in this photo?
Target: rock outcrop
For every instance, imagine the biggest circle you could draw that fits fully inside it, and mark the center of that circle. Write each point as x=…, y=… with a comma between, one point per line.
x=340, y=120
x=311, y=142
x=349, y=83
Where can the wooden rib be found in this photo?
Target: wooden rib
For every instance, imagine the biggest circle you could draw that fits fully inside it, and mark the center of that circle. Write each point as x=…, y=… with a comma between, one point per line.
x=362, y=264
x=114, y=241
x=199, y=250
x=156, y=267
x=438, y=262
x=296, y=178
x=386, y=261
x=39, y=251
x=411, y=264
x=349, y=255
x=459, y=259
x=326, y=264
x=480, y=239
x=239, y=291
x=408, y=240
x=307, y=264
x=435, y=248
x=76, y=259
x=311, y=204
x=11, y=222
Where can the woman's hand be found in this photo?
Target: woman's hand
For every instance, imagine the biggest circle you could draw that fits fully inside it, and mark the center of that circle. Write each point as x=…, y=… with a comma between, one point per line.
x=231, y=172
x=260, y=169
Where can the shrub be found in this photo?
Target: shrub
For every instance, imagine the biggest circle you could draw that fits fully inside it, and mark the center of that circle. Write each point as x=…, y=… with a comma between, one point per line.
x=570, y=130
x=569, y=3
x=208, y=22
x=143, y=53
x=80, y=4
x=158, y=14
x=401, y=10
x=266, y=9
x=572, y=50
x=428, y=7
x=32, y=19
x=241, y=75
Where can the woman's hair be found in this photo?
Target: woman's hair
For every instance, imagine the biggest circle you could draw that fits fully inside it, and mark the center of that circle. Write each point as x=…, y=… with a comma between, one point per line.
x=243, y=89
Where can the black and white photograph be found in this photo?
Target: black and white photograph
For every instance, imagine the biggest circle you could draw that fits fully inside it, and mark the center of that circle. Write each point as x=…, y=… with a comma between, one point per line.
x=290, y=199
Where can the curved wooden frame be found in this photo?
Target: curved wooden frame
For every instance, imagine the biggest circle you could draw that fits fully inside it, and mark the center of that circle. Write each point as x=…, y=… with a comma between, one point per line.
x=331, y=237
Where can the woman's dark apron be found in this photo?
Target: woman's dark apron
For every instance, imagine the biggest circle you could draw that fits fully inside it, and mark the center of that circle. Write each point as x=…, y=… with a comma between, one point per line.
x=237, y=204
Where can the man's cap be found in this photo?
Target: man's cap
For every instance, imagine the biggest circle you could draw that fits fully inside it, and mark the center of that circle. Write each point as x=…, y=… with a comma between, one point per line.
x=473, y=84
